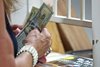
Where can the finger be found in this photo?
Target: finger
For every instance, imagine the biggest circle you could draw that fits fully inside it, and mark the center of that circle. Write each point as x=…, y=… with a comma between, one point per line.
x=20, y=26
x=46, y=33
x=16, y=31
x=14, y=27
x=42, y=59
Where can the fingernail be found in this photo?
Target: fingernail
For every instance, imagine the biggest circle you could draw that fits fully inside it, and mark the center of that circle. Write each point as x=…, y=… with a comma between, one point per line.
x=18, y=29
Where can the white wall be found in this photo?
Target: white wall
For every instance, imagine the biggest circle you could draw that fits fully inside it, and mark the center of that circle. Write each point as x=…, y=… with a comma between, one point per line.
x=35, y=3
x=96, y=31
x=23, y=6
x=19, y=15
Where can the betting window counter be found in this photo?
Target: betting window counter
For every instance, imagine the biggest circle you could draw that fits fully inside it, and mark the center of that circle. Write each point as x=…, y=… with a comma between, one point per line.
x=66, y=60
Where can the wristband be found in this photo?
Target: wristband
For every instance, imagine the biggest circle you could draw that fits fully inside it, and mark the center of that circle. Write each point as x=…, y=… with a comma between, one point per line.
x=32, y=51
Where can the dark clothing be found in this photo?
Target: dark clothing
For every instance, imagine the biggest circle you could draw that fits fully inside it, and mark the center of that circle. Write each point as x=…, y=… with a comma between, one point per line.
x=13, y=38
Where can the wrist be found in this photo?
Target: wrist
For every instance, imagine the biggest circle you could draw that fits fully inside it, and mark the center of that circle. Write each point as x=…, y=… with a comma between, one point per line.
x=30, y=50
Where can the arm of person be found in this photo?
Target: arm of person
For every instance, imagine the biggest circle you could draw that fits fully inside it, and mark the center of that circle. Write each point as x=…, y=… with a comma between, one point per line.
x=6, y=47
x=40, y=41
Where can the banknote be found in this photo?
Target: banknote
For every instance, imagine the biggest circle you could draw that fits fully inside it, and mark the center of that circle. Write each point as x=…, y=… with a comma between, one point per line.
x=22, y=35
x=38, y=18
x=31, y=16
x=42, y=17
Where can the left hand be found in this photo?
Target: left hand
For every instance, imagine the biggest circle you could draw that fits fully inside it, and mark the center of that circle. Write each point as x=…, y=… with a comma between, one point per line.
x=16, y=28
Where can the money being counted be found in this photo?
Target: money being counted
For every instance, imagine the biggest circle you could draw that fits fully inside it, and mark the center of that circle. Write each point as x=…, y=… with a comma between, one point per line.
x=38, y=18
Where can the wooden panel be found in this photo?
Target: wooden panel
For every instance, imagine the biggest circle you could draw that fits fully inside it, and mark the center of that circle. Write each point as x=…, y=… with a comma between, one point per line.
x=75, y=36
x=57, y=45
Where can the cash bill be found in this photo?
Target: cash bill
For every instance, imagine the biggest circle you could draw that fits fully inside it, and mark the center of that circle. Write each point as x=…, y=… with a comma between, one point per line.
x=38, y=18
x=31, y=15
x=22, y=35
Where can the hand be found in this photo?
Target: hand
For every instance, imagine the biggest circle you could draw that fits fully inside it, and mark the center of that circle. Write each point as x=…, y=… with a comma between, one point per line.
x=16, y=28
x=40, y=41
x=42, y=60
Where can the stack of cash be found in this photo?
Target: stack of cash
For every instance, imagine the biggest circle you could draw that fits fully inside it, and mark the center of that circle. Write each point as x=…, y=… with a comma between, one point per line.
x=38, y=18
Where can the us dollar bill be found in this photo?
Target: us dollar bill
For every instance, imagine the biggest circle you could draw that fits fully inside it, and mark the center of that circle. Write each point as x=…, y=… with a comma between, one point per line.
x=22, y=35
x=38, y=18
x=31, y=15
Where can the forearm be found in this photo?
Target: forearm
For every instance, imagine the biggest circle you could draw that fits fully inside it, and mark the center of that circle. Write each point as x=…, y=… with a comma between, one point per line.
x=6, y=52
x=24, y=60
x=7, y=56
x=8, y=60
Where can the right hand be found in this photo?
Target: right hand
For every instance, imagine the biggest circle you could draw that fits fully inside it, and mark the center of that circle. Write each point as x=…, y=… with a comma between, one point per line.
x=40, y=41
